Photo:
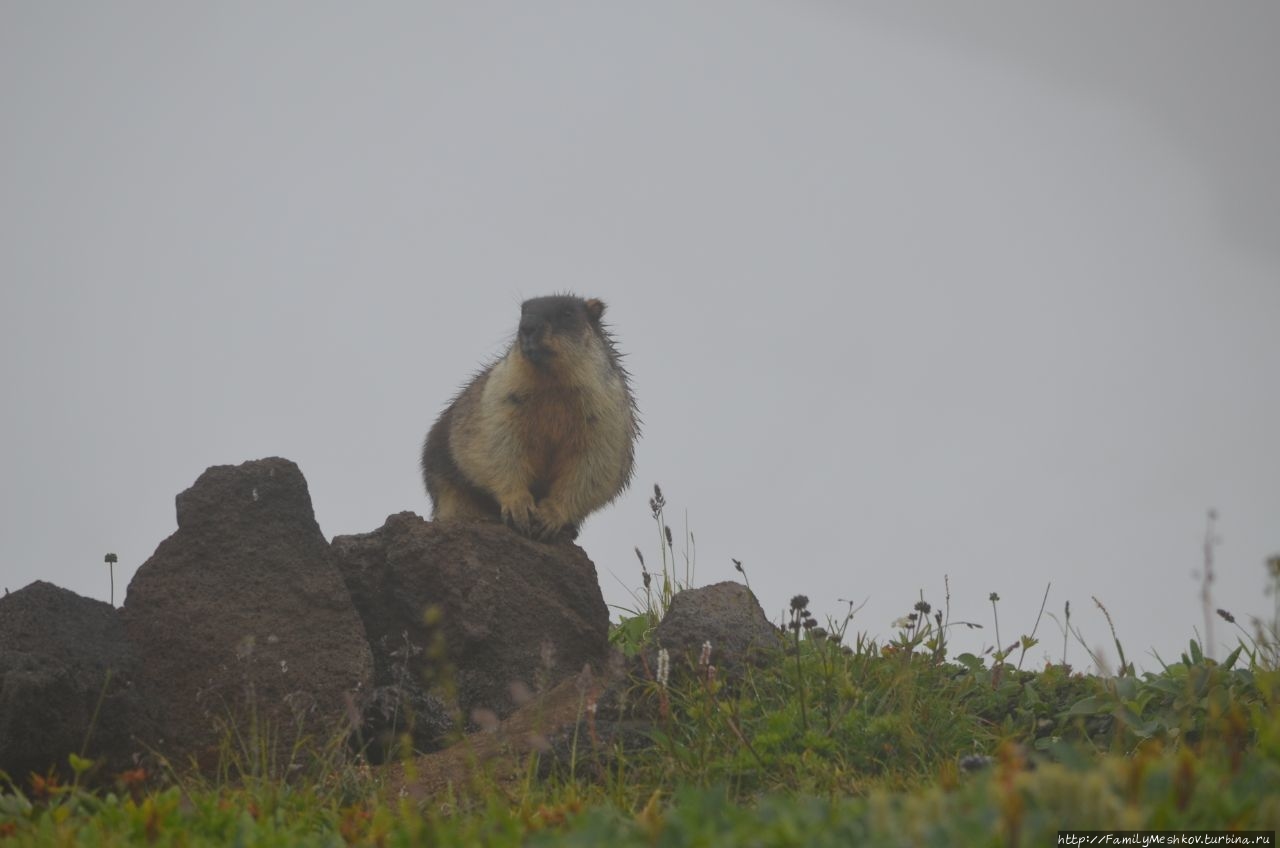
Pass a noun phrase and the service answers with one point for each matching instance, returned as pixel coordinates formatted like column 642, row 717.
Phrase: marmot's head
column 557, row 326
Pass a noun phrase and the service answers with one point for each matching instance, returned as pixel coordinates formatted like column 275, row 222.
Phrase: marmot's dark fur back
column 543, row 437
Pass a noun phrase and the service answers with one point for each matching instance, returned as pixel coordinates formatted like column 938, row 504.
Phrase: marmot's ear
column 595, row 308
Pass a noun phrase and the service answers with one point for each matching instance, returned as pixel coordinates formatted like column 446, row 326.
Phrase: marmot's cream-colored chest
column 545, row 435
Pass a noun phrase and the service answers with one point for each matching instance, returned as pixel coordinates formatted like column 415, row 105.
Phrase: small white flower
column 664, row 667
column 902, row 623
column 705, row 659
column 284, row 666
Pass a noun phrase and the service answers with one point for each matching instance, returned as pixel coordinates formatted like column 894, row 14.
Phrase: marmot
column 542, row 437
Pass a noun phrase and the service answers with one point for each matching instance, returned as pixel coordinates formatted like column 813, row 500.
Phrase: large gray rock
column 244, row 627
column 509, row 612
column 64, row 658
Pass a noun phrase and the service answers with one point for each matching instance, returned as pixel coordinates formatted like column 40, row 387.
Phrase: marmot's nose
column 530, row 333
column 529, row 328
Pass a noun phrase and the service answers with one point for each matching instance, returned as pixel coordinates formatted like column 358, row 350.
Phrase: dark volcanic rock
column 60, row 654
column 241, row 618
column 725, row 614
column 399, row 703
column 510, row 610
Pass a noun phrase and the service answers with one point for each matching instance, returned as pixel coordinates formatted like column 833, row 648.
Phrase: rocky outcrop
column 66, row 683
column 247, row 641
column 242, row 623
column 508, row 616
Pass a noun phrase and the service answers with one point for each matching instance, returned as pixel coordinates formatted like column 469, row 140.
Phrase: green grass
column 879, row 754
column 841, row 740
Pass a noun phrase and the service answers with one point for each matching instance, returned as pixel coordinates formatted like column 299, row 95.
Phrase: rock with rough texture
column 512, row 616
column 725, row 614
column 244, row 627
column 64, row 658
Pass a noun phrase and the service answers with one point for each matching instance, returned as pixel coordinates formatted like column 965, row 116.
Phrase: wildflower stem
column 110, row 560
column 996, row 614
column 799, row 610
column 1028, row 642
column 1206, row 582
column 1066, row 611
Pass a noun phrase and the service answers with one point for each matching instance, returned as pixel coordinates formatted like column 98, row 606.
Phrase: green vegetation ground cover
column 841, row 739
column 833, row 745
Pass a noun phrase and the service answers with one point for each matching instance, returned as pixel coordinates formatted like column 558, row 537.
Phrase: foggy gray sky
column 908, row 290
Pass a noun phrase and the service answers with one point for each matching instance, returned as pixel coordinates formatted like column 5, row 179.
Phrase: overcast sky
column 908, row 290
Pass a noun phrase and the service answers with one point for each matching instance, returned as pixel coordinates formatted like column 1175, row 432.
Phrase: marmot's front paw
column 520, row 512
column 551, row 524
column 564, row 533
column 545, row 532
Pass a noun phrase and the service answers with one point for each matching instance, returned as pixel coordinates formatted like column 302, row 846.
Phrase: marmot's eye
column 567, row 312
